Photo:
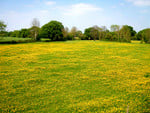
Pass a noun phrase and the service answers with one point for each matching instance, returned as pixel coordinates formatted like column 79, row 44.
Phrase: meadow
column 8, row 39
column 75, row 76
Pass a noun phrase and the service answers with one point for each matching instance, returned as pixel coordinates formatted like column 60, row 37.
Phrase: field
column 8, row 39
column 75, row 76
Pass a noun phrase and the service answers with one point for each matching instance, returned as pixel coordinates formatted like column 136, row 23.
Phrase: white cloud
column 140, row 2
column 80, row 9
column 50, row 3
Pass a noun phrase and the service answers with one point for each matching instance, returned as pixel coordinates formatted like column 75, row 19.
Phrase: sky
column 18, row 14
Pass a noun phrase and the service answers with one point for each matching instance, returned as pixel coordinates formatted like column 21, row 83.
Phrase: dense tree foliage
column 52, row 30
column 24, row 33
column 2, row 26
column 144, row 35
column 34, row 32
column 87, row 33
column 2, row 29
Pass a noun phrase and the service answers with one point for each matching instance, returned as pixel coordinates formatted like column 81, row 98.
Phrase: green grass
column 75, row 76
column 5, row 39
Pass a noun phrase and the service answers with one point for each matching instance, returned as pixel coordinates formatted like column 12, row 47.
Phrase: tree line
column 55, row 31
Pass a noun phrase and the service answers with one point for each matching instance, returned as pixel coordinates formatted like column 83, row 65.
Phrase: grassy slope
column 74, row 76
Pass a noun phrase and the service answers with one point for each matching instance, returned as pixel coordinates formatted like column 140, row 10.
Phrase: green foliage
column 24, row 33
column 14, row 40
column 3, row 33
column 115, row 28
column 52, row 30
column 34, row 32
column 79, row 34
column 87, row 33
column 125, row 33
column 144, row 35
column 73, row 32
column 2, row 26
column 15, row 33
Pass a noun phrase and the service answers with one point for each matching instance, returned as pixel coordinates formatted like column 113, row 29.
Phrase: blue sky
column 19, row 14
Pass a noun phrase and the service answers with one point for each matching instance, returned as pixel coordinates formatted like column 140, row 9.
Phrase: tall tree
column 103, row 31
column 73, row 32
column 116, row 29
column 87, row 33
column 2, row 28
column 95, row 32
column 35, row 28
column 126, row 33
column 144, row 35
column 66, row 32
column 52, row 30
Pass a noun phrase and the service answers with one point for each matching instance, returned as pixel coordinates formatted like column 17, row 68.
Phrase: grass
column 5, row 39
column 75, row 76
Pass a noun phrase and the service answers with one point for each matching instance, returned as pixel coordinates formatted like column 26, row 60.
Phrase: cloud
column 50, row 3
column 81, row 9
column 140, row 2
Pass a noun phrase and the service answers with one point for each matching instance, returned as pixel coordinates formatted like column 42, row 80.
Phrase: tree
column 147, row 36
column 144, row 35
column 52, row 30
column 95, row 32
column 92, row 33
column 87, row 33
column 103, row 31
column 34, row 30
column 2, row 28
column 126, row 33
column 24, row 33
column 73, row 32
column 116, row 29
column 79, row 34
column 15, row 33
column 66, row 33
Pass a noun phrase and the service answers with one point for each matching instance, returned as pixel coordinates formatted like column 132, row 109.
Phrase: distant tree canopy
column 24, row 33
column 95, row 33
column 87, row 33
column 118, row 33
column 144, row 35
column 2, row 28
column 55, row 31
column 52, row 30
